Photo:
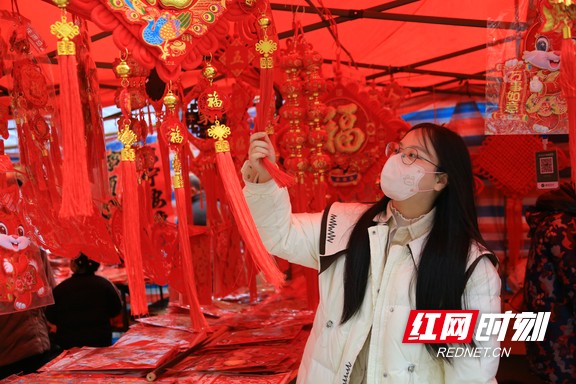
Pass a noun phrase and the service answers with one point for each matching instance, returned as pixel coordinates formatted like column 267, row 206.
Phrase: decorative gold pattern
column 65, row 31
column 176, row 164
column 175, row 135
column 213, row 100
column 179, row 4
column 565, row 2
column 222, row 146
column 561, row 15
column 127, row 154
column 170, row 99
column 60, row 3
column 177, row 180
column 122, row 69
column 209, row 72
column 220, row 132
column 266, row 48
column 128, row 138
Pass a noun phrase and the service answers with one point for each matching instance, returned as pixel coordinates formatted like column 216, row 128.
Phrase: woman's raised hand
column 260, row 148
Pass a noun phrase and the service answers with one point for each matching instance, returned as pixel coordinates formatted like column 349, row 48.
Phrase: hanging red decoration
column 76, row 194
column 237, row 57
column 233, row 190
column 131, row 242
column 567, row 76
column 293, row 112
column 23, row 283
column 508, row 162
column 212, row 103
column 266, row 47
column 174, row 133
column 135, row 83
column 527, row 98
column 163, row 36
column 314, row 88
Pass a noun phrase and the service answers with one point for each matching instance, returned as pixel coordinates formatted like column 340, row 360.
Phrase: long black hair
column 441, row 272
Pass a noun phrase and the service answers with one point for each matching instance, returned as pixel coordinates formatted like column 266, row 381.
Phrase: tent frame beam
column 411, row 67
column 337, row 20
column 354, row 14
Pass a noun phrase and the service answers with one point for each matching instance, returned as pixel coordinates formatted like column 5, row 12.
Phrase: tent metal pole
column 409, row 69
column 332, row 31
column 337, row 20
column 353, row 14
column 442, row 57
column 447, row 91
column 434, row 88
column 93, row 38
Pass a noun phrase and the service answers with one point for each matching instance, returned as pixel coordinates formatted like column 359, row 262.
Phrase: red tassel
column 198, row 320
column 243, row 218
column 76, row 192
column 567, row 80
column 131, row 243
column 5, row 166
column 251, row 276
column 282, row 179
column 266, row 92
column 320, row 192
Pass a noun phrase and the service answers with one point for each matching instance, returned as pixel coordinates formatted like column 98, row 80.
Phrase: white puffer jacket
column 332, row 348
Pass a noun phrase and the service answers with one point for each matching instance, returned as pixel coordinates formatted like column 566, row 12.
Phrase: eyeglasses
column 408, row 155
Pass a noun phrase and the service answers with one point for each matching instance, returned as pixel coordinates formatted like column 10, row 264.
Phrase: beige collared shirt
column 402, row 231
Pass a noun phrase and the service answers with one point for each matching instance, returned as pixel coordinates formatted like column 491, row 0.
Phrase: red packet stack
column 141, row 349
column 222, row 378
column 256, row 359
column 84, row 378
column 140, row 356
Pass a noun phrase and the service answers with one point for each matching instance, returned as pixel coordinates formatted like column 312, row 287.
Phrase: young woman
column 417, row 248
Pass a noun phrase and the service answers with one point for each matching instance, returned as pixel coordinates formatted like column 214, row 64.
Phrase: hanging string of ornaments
column 131, row 242
column 266, row 48
column 566, row 10
column 174, row 132
column 210, row 104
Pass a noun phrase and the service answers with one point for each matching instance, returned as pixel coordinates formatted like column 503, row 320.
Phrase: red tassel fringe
column 320, row 192
column 246, row 226
column 282, row 179
column 5, row 166
column 76, row 192
column 131, row 243
column 266, row 92
column 198, row 320
column 251, row 276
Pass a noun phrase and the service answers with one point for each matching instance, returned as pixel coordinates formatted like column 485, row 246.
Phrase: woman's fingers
column 258, row 136
column 260, row 143
column 260, row 148
column 258, row 153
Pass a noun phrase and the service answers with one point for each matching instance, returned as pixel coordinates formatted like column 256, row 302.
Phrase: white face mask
column 400, row 181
